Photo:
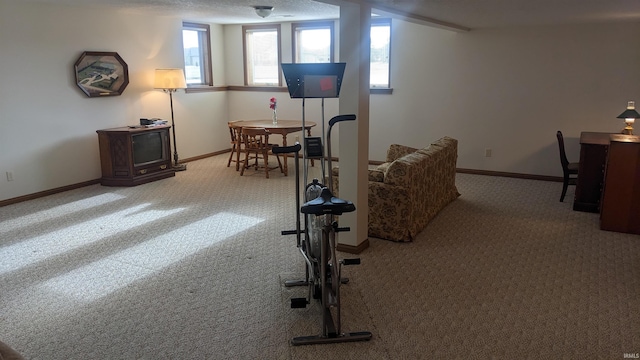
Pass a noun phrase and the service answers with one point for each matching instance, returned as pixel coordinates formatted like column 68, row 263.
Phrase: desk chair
column 569, row 169
column 256, row 146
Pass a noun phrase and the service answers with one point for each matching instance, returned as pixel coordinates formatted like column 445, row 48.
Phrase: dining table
column 282, row 127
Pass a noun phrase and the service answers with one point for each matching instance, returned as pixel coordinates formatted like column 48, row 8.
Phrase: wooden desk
column 620, row 208
column 593, row 157
column 283, row 127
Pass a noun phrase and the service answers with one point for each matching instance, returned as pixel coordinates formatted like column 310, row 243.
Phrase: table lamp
column 170, row 80
column 629, row 116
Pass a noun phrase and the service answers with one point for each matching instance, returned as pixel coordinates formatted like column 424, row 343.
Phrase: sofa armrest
column 390, row 212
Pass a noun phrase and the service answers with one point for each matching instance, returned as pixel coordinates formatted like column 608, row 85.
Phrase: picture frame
column 101, row 73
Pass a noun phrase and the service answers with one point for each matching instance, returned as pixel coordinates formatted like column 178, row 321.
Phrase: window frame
column 383, row 22
column 264, row 27
column 204, row 40
column 312, row 25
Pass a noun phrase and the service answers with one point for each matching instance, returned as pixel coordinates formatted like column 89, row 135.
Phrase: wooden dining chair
column 236, row 142
column 569, row 169
column 235, row 133
column 256, row 147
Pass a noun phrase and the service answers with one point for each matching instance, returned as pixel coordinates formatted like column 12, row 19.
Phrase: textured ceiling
column 502, row 13
column 463, row 13
column 216, row 11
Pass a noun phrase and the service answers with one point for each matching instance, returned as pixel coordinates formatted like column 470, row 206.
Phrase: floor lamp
column 169, row 81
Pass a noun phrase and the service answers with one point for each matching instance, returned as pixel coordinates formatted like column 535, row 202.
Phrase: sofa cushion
column 376, row 175
column 383, row 167
column 403, row 170
column 397, row 151
column 373, row 174
column 445, row 141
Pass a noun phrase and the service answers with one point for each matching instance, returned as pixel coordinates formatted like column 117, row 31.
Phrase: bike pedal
column 355, row 261
column 298, row 303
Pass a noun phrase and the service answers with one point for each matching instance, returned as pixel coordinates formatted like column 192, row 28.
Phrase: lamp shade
column 629, row 114
column 170, row 79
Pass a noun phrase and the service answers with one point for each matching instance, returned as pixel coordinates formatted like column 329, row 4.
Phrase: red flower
column 272, row 103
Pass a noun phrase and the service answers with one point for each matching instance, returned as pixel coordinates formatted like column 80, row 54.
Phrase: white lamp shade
column 170, row 79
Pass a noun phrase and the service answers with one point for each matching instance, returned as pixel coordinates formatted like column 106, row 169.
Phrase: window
column 262, row 55
column 380, row 51
column 196, row 41
column 312, row 42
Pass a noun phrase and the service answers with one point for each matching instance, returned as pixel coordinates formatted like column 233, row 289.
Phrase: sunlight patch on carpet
column 103, row 277
column 32, row 219
column 55, row 243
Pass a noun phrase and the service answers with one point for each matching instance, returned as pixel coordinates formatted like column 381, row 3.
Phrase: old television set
column 149, row 147
column 134, row 155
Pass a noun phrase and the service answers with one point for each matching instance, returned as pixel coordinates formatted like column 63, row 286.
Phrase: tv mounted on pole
column 313, row 81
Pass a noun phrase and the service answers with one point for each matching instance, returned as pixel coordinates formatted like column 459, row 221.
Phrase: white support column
column 355, row 21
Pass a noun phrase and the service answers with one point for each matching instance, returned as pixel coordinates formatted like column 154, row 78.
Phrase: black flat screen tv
column 314, row 80
column 148, row 147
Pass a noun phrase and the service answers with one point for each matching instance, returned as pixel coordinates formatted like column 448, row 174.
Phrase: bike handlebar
column 339, row 118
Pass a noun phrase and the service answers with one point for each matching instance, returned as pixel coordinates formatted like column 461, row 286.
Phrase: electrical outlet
column 9, row 176
column 487, row 152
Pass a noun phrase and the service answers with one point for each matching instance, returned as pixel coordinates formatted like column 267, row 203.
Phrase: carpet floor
column 193, row 267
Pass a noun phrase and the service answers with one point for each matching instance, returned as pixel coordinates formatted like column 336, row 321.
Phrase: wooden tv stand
column 117, row 156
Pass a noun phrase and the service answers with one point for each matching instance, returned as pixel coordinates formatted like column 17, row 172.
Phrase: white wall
column 505, row 89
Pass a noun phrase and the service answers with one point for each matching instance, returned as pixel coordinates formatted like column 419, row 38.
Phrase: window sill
column 381, row 91
column 257, row 88
column 204, row 88
column 201, row 89
column 377, row 91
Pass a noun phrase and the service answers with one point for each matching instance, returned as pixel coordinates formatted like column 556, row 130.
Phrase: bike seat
column 326, row 203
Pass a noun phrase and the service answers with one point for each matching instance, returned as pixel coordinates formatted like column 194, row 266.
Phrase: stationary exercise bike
column 317, row 244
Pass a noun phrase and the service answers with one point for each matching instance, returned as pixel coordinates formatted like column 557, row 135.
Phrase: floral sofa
column 410, row 188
